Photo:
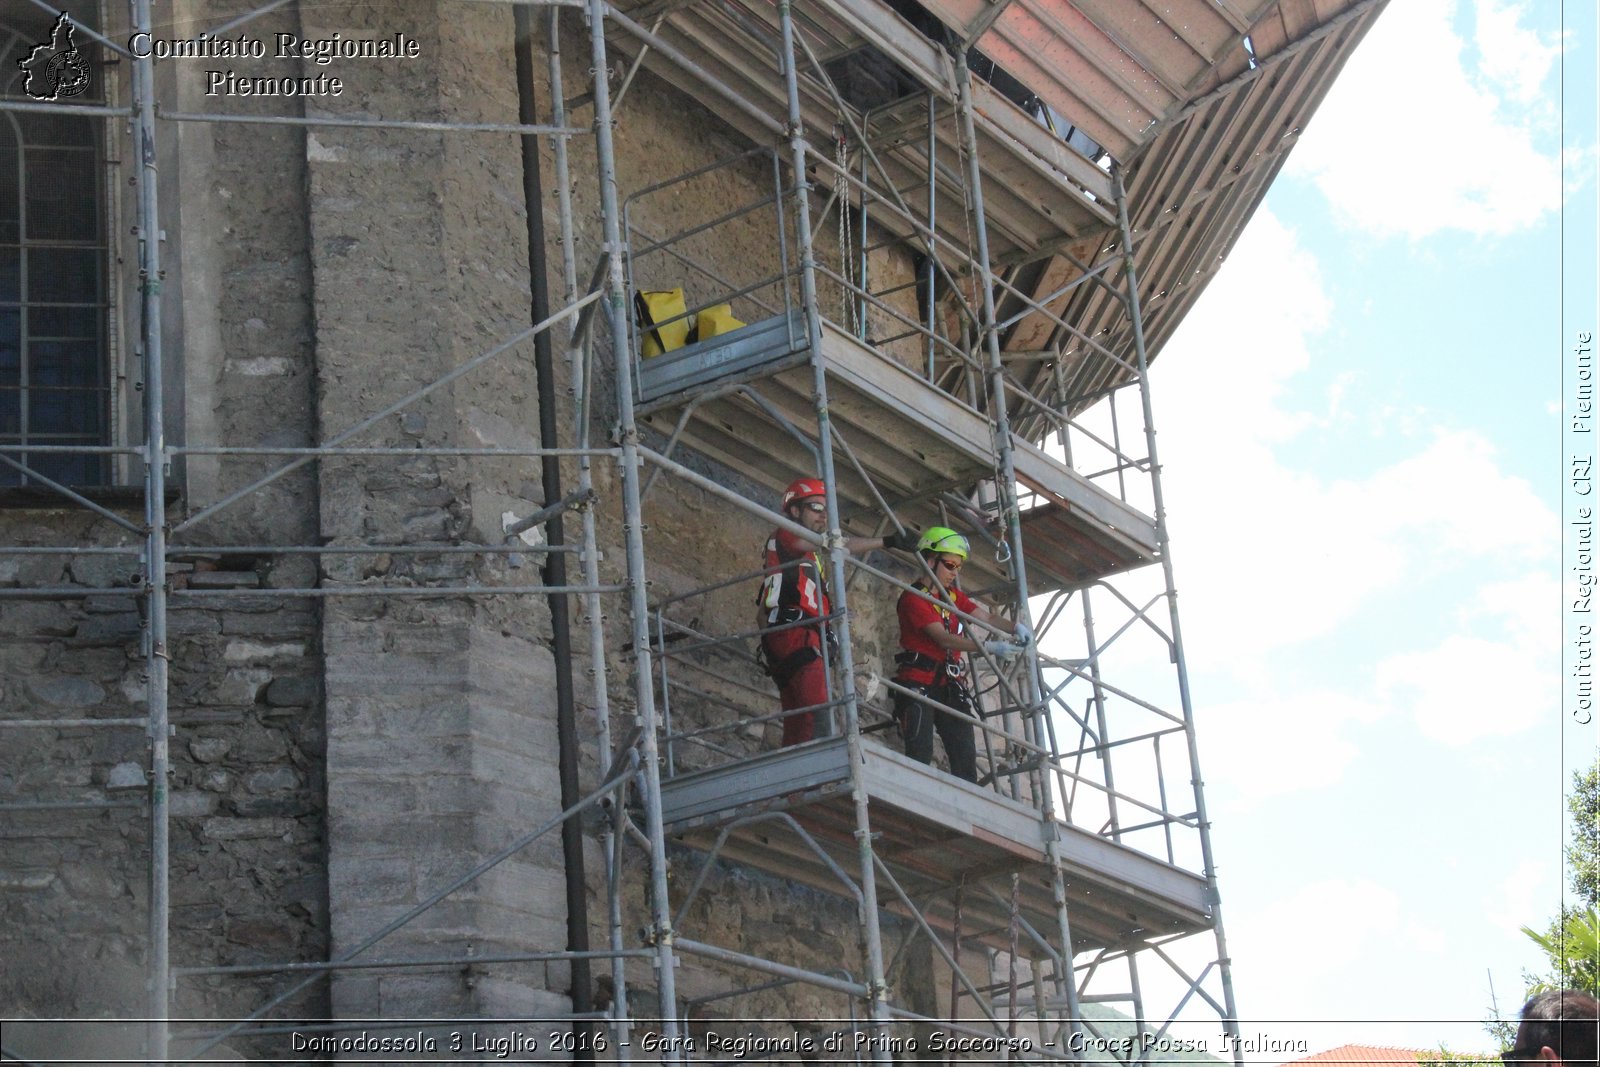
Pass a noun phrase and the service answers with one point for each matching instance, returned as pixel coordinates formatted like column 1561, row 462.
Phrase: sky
column 1361, row 431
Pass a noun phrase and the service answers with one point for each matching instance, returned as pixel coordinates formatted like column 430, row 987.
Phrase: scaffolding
column 953, row 323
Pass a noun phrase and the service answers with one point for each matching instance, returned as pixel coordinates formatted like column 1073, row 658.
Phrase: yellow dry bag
column 662, row 320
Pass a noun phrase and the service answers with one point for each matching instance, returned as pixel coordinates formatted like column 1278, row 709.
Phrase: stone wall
column 247, row 795
column 339, row 760
column 440, row 711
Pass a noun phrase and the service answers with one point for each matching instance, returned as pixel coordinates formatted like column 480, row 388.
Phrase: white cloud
column 1246, row 339
column 1496, row 680
column 1451, row 500
column 1412, row 141
column 1351, row 916
column 1258, row 748
column 1467, row 688
column 1429, row 940
column 1520, row 895
column 1524, row 606
column 1293, row 555
column 1515, row 58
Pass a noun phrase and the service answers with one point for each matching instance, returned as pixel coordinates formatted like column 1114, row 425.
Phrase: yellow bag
column 715, row 320
column 654, row 308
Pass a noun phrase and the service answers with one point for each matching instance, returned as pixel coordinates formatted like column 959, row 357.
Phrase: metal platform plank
column 934, row 833
column 915, row 441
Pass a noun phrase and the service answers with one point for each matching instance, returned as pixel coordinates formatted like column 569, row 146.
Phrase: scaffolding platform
column 1043, row 191
column 937, row 836
column 915, row 442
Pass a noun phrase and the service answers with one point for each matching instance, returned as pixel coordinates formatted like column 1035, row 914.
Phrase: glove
column 905, row 541
column 1023, row 633
column 1002, row 649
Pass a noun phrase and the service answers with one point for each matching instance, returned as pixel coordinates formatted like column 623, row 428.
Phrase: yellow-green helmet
column 943, row 541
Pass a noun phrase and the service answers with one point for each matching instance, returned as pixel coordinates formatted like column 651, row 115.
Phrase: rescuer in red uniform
column 932, row 662
column 796, row 589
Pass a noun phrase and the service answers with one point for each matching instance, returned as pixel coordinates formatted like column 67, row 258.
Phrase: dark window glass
column 53, row 296
column 70, row 415
column 10, row 347
column 10, row 275
column 61, row 322
column 63, row 275
column 64, row 363
column 10, row 197
column 56, row 129
column 61, row 195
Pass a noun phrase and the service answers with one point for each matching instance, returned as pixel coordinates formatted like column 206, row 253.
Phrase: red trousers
column 805, row 686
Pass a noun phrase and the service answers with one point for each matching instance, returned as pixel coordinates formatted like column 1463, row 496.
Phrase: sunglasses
column 953, row 568
column 816, row 507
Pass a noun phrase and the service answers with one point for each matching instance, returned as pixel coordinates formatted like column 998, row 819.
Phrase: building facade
column 378, row 597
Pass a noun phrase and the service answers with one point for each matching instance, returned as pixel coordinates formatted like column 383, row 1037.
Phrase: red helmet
column 800, row 490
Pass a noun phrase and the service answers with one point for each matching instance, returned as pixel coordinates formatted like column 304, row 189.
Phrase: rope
column 955, row 955
column 847, row 305
column 1011, row 954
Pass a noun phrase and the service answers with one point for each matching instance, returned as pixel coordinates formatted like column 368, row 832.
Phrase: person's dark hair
column 1565, row 1020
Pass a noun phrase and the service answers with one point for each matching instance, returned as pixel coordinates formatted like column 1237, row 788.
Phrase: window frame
column 36, row 158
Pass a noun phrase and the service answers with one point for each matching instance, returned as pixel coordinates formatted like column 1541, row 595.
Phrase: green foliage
column 1583, row 853
column 1573, row 949
column 1571, row 944
column 1445, row 1058
column 1503, row 1031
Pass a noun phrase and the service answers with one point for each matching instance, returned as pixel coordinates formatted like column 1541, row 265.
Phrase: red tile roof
column 1365, row 1054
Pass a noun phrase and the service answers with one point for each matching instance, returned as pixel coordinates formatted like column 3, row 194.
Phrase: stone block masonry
column 338, row 761
column 440, row 714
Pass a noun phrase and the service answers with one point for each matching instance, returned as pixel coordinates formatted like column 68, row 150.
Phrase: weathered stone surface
column 104, row 572
column 230, row 829
column 337, row 760
column 190, row 805
column 125, row 776
column 292, row 691
column 245, row 651
column 272, row 780
column 115, row 630
column 209, row 749
column 26, row 881
column 66, row 692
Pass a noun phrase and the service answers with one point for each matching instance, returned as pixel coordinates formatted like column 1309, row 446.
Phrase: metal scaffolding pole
column 148, row 228
column 877, row 984
column 1007, row 493
column 616, row 307
column 1230, row 1022
column 593, row 609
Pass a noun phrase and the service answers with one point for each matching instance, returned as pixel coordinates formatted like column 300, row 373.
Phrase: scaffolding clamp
column 657, row 935
column 529, row 530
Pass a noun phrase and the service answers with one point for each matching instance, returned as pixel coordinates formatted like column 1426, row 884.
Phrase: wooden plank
column 1036, row 330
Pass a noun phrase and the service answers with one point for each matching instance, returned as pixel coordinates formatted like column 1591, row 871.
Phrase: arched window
column 54, row 370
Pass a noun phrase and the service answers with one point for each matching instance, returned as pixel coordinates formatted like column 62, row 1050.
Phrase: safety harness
column 783, row 594
column 919, row 669
column 786, row 668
